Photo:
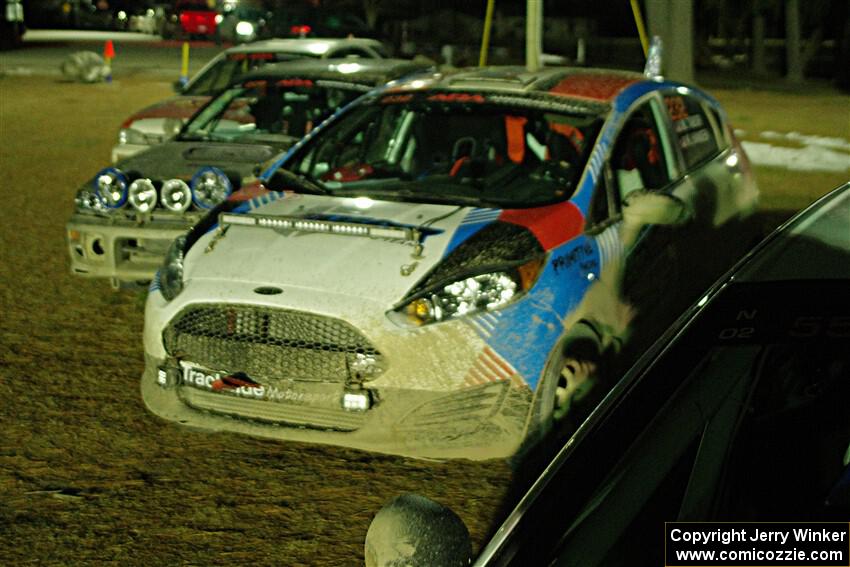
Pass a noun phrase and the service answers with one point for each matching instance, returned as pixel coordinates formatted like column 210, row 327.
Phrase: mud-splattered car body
column 161, row 121
column 419, row 299
column 123, row 233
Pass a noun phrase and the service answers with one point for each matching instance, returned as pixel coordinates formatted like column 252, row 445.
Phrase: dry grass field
column 88, row 476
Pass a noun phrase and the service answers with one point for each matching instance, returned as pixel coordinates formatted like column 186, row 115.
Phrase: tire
column 571, row 380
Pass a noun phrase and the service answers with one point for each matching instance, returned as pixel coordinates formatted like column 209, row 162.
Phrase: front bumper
column 122, row 249
column 434, row 397
column 477, row 423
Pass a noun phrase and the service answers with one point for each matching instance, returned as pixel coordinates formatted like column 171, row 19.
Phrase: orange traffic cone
column 108, row 55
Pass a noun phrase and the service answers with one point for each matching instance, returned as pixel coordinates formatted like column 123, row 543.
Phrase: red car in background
column 192, row 18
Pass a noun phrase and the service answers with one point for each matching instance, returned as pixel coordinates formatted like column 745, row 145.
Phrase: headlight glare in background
column 142, row 195
column 210, row 186
column 245, row 29
column 176, row 195
column 111, row 187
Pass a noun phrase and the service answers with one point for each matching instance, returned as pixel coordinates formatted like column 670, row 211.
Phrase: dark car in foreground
column 738, row 414
column 127, row 215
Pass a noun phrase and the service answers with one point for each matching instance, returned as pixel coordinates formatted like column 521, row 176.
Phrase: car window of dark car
column 798, row 427
column 694, row 134
column 647, row 486
column 638, row 160
column 608, row 443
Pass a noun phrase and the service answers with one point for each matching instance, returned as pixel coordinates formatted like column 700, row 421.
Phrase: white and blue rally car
column 451, row 265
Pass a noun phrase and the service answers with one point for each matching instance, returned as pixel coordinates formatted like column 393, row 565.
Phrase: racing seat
column 638, row 162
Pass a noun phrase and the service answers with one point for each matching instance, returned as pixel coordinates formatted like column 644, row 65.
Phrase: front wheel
column 570, row 381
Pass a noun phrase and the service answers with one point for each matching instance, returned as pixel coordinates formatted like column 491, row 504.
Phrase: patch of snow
column 808, row 158
column 808, row 140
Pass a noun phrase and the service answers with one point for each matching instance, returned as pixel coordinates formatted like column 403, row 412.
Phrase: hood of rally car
column 182, row 159
column 384, row 267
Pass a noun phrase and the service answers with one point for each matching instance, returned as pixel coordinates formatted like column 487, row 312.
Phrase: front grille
column 272, row 346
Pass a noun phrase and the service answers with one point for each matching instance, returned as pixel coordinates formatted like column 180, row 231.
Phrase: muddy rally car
column 127, row 215
column 443, row 268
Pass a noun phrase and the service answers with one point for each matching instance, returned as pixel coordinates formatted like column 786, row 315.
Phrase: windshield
column 452, row 148
column 230, row 68
column 266, row 108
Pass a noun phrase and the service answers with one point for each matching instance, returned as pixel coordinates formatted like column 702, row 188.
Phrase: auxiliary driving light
column 210, row 186
column 176, row 195
column 142, row 195
column 111, row 187
column 356, row 400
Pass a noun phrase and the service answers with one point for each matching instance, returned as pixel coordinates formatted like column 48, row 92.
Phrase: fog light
column 167, row 377
column 176, row 195
column 142, row 195
column 356, row 400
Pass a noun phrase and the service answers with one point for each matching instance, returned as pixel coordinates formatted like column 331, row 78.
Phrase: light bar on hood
column 322, row 226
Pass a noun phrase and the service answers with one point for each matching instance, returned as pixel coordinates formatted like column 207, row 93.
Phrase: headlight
column 131, row 136
column 111, row 186
column 171, row 272
column 176, row 195
column 244, row 29
column 142, row 195
column 470, row 295
column 210, row 186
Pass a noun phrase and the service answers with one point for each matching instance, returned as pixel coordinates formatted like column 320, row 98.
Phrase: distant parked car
column 443, row 268
column 161, row 121
column 192, row 19
column 127, row 215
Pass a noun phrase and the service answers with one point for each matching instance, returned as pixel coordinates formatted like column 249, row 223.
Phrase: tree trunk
column 371, row 9
column 759, row 66
column 673, row 21
column 794, row 70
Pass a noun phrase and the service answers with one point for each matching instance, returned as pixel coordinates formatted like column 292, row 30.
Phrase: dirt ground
column 87, row 475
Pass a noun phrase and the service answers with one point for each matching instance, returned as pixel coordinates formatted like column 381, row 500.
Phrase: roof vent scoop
column 652, row 70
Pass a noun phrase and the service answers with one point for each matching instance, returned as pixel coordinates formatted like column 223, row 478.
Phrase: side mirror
column 644, row 207
column 414, row 531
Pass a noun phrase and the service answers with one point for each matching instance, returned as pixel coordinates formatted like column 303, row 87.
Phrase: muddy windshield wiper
column 283, row 179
